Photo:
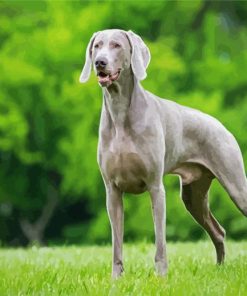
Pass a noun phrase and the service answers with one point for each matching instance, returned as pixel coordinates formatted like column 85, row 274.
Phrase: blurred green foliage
column 49, row 122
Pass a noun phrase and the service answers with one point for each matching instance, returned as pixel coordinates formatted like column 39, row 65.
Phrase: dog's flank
column 142, row 137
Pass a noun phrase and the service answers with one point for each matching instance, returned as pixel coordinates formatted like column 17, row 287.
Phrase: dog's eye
column 116, row 45
column 96, row 46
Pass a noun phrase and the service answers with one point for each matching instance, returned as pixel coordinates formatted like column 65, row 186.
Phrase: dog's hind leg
column 195, row 198
column 228, row 167
column 233, row 179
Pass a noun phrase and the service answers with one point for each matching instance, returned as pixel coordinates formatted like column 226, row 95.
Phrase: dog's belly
column 191, row 172
column 127, row 171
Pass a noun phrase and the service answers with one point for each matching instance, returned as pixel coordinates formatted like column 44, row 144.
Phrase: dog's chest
column 123, row 165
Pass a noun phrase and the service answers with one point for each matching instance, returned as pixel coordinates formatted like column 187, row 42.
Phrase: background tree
column 51, row 190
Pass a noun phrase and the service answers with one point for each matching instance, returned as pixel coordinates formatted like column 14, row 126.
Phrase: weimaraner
column 143, row 137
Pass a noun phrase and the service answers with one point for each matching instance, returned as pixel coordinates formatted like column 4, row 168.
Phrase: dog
column 143, row 137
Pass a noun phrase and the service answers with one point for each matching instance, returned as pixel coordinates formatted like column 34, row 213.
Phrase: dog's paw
column 117, row 271
column 161, row 268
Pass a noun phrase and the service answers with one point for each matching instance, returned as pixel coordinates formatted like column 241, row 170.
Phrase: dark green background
column 51, row 190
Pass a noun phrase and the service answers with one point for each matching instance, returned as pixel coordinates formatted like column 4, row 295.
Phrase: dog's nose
column 102, row 62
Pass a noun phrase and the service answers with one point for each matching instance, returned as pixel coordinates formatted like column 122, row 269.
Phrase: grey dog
column 143, row 137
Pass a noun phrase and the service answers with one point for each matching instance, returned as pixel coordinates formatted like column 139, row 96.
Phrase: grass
column 86, row 271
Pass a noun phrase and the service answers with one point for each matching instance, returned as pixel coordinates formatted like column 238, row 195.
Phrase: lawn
column 86, row 271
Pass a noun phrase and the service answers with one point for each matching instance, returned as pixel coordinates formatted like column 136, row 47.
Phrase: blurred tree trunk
column 199, row 17
column 34, row 232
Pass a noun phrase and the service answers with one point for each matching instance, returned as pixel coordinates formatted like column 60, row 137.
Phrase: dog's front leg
column 116, row 216
column 158, row 208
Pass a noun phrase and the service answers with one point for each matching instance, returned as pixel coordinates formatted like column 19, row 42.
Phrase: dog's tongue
column 104, row 79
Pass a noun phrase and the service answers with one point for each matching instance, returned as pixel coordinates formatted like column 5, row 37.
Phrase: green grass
column 86, row 271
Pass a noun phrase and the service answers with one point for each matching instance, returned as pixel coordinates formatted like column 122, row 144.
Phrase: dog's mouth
column 106, row 79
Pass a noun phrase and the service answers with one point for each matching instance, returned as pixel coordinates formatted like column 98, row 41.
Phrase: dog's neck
column 117, row 98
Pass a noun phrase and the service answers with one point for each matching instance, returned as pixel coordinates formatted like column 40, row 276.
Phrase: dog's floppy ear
column 140, row 56
column 86, row 71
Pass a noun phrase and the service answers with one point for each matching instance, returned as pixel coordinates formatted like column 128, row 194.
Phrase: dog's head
column 111, row 52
